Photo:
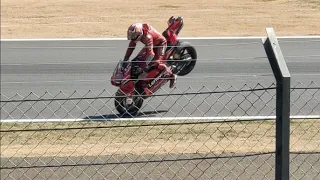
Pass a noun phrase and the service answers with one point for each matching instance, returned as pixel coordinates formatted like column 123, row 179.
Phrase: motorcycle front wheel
column 124, row 108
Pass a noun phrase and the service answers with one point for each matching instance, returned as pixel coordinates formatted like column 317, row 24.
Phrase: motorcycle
column 130, row 96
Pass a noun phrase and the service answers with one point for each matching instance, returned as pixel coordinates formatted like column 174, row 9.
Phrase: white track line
column 228, row 118
column 104, row 80
column 186, row 38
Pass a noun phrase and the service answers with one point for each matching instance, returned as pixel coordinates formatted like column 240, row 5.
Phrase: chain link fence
column 222, row 133
column 305, row 133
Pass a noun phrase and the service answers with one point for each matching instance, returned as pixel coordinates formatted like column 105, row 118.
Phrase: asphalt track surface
column 86, row 67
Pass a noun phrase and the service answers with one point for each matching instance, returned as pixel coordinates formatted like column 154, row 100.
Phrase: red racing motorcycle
column 180, row 56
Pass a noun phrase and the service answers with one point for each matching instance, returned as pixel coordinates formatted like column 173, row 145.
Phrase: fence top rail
column 279, row 59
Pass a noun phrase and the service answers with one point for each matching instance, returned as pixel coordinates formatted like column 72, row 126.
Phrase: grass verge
column 151, row 137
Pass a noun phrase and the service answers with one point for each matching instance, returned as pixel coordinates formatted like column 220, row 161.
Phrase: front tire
column 123, row 109
column 189, row 59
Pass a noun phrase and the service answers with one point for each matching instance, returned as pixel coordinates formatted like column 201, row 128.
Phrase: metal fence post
column 282, row 76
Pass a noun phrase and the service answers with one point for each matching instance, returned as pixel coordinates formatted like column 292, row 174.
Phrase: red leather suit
column 155, row 44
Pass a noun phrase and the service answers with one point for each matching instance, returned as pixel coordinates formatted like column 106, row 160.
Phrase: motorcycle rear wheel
column 188, row 62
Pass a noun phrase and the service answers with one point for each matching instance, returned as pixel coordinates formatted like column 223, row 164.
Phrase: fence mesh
column 220, row 133
column 305, row 135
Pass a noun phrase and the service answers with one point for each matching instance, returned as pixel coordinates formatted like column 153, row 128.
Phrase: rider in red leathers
column 153, row 52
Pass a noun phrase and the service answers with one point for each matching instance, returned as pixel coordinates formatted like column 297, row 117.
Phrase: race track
column 83, row 65
column 40, row 66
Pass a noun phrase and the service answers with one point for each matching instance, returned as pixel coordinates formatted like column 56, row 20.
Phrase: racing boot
column 173, row 77
column 173, row 80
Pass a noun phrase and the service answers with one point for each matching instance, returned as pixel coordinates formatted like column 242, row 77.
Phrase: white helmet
column 135, row 32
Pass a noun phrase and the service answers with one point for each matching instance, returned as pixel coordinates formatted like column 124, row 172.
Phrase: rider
column 155, row 46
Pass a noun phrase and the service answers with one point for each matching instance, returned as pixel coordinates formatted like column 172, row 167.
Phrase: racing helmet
column 135, row 32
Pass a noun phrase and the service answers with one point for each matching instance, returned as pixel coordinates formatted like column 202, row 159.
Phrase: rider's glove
column 124, row 65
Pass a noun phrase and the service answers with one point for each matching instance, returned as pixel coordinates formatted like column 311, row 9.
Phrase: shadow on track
column 112, row 117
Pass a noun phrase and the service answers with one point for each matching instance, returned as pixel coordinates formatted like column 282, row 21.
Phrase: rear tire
column 185, row 67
